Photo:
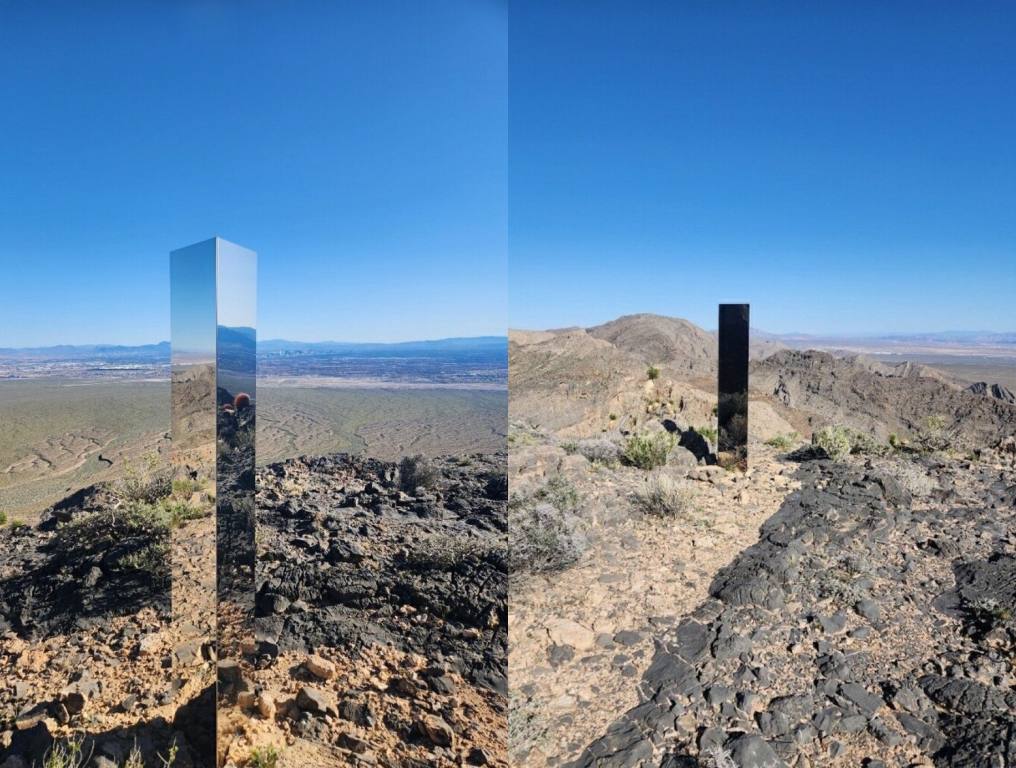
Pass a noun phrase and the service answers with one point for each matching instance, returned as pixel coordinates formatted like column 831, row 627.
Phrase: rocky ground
column 811, row 612
column 580, row 639
column 869, row 619
column 381, row 623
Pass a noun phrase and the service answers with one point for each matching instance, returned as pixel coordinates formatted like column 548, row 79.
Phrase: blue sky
column 359, row 148
column 845, row 167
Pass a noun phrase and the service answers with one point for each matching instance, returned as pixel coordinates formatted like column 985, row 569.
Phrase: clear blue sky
column 845, row 167
column 358, row 147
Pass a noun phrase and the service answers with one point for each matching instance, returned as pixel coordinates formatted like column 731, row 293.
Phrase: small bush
column 542, row 537
column 560, row 493
column 663, row 497
column 782, row 442
column 264, row 757
column 571, row 447
column 147, row 483
column 835, row 441
column 652, row 373
column 417, row 472
column 3, row 517
column 66, row 754
column 839, row 442
column 933, row 436
column 599, row 450
column 16, row 524
column 187, row 487
column 648, row 451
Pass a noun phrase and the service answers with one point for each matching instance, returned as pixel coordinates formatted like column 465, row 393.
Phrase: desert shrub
column 648, row 451
column 709, row 433
column 542, row 537
column 782, row 442
column 134, row 537
column 662, row 496
column 560, row 493
column 185, row 486
column 417, row 472
column 264, row 757
column 17, row 524
column 570, row 447
column 599, row 450
column 839, row 442
column 612, row 417
column 67, row 754
column 147, row 482
column 933, row 435
column 652, row 373
column 3, row 517
column 835, row 441
column 178, row 512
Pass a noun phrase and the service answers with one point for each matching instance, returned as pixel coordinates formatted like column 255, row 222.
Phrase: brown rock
column 320, row 668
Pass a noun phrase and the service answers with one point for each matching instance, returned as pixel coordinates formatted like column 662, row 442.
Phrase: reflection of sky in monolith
column 236, row 285
column 192, row 303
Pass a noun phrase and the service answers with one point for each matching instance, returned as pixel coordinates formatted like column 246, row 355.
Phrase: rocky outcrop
column 996, row 391
column 867, row 624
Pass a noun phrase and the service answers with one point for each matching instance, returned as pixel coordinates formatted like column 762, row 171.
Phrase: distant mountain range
column 108, row 352
column 161, row 352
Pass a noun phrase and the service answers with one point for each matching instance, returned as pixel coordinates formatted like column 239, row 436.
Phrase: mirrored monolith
column 732, row 390
column 213, row 305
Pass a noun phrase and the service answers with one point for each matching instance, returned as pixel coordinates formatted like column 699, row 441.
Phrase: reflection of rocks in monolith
column 732, row 394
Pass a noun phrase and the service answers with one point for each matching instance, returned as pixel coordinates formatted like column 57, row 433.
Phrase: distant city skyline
column 846, row 168
column 359, row 149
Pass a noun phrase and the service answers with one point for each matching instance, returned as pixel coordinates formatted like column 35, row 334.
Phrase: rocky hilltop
column 381, row 620
column 849, row 601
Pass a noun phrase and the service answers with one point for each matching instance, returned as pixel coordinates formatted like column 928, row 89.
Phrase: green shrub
column 648, row 451
column 782, row 442
column 185, row 486
column 835, row 441
column 652, row 373
column 16, row 524
column 264, row 757
column 839, row 442
column 145, row 483
column 3, row 517
column 66, row 754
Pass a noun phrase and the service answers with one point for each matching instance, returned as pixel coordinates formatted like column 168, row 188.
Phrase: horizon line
column 260, row 341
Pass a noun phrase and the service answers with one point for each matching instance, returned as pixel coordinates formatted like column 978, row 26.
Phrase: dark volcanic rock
column 381, row 556
column 778, row 663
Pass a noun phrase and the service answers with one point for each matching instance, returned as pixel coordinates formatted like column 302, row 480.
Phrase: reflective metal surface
column 732, row 394
column 213, row 293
